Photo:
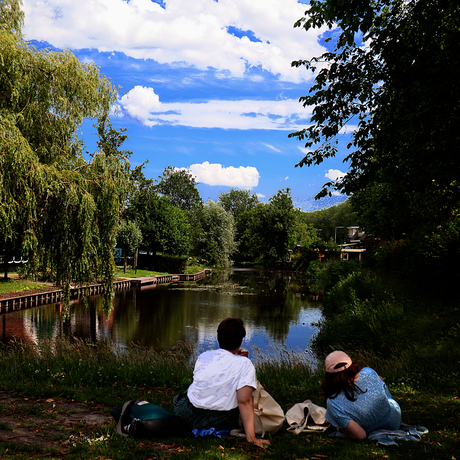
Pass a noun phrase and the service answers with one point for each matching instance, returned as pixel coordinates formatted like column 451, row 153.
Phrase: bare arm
column 246, row 407
column 354, row 431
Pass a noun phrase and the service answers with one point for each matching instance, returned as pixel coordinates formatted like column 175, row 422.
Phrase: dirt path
column 48, row 422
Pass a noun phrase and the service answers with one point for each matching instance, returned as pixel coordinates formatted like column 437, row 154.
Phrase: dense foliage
column 216, row 240
column 165, row 228
column 267, row 234
column 179, row 186
column 237, row 201
column 393, row 73
column 332, row 222
column 57, row 207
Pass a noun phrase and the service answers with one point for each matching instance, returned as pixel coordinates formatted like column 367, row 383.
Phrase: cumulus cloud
column 334, row 174
column 216, row 174
column 140, row 102
column 144, row 105
column 229, row 35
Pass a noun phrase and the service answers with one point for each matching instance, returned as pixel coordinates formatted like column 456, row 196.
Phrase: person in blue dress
column 358, row 401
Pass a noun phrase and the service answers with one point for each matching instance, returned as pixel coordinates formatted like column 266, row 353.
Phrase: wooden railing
column 55, row 296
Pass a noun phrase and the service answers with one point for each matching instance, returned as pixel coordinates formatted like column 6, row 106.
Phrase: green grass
column 102, row 375
column 21, row 285
column 193, row 266
column 131, row 273
column 6, row 426
column 16, row 285
column 410, row 335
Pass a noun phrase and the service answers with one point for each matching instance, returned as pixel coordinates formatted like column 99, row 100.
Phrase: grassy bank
column 17, row 285
column 409, row 333
column 105, row 378
column 14, row 283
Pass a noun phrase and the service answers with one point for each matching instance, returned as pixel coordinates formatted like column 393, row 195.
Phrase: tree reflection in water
column 274, row 305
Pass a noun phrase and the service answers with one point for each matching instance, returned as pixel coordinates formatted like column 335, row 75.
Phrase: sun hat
column 337, row 361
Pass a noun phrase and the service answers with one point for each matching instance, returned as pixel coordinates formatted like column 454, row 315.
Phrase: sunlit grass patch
column 131, row 273
column 16, row 285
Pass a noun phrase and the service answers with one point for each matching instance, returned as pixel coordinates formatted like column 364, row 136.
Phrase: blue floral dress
column 373, row 409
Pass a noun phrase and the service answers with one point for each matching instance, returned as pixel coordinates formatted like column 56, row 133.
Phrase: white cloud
column 334, row 174
column 216, row 174
column 191, row 32
column 140, row 102
column 286, row 178
column 144, row 105
column 271, row 147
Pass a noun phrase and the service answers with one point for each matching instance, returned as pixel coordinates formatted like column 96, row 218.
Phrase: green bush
column 163, row 263
column 427, row 259
column 352, row 289
column 335, row 271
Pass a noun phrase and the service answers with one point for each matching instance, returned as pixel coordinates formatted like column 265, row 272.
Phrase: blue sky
column 206, row 85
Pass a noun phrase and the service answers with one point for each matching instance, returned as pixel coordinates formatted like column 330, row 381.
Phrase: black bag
column 141, row 419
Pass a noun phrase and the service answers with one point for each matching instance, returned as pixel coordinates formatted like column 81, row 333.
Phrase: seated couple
column 358, row 401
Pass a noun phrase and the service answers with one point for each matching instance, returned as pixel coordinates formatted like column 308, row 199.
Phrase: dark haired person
column 358, row 401
column 223, row 382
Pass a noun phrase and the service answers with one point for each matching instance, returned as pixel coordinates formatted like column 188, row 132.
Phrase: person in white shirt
column 223, row 382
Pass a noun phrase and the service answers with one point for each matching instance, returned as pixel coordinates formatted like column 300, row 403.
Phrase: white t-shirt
column 217, row 376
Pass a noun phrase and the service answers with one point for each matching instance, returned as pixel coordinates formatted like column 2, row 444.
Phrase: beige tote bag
column 306, row 417
column 268, row 415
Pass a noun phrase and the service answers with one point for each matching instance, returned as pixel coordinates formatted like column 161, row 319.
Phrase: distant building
column 356, row 243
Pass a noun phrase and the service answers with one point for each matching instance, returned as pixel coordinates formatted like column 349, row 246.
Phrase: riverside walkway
column 54, row 296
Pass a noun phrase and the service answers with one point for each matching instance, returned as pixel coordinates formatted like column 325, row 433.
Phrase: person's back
column 217, row 377
column 357, row 400
column 371, row 409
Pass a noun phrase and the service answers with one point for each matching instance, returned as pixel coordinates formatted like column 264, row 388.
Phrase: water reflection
column 273, row 304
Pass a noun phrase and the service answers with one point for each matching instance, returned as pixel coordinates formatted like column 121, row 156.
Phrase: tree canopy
column 325, row 221
column 165, row 228
column 180, row 186
column 238, row 201
column 268, row 229
column 216, row 239
column 61, row 208
column 393, row 74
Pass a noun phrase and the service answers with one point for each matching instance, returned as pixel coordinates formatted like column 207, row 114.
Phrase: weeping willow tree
column 61, row 209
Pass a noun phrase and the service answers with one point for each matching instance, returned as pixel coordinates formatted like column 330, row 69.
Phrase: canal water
column 275, row 306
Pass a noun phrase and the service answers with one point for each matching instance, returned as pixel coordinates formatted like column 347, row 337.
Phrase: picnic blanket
column 204, row 433
column 390, row 437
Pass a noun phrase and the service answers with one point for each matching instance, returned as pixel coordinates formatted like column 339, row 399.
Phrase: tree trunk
column 5, row 264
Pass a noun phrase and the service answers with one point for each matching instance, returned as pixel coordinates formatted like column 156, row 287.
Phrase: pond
column 275, row 306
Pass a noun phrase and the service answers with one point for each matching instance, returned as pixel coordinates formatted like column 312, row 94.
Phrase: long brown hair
column 334, row 383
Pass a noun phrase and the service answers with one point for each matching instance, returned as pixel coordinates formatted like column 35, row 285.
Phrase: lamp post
column 335, row 234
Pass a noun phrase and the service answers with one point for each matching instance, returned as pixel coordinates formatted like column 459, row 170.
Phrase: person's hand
column 243, row 352
column 262, row 443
